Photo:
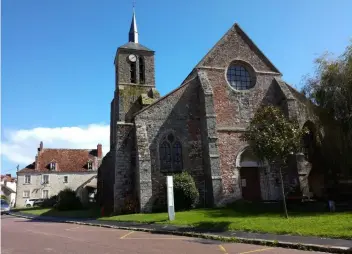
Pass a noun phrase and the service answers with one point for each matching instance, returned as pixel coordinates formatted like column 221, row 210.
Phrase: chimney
column 99, row 151
column 40, row 148
column 36, row 163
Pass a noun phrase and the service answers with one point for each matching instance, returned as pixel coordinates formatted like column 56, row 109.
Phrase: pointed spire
column 133, row 34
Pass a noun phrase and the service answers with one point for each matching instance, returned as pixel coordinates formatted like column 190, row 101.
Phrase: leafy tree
column 273, row 137
column 330, row 90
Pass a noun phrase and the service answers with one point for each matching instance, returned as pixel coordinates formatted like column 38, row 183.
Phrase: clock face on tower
column 132, row 58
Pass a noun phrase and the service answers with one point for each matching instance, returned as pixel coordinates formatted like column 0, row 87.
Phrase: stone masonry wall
column 123, row 67
column 106, row 182
column 128, row 95
column 177, row 113
column 124, row 171
column 236, row 45
column 229, row 146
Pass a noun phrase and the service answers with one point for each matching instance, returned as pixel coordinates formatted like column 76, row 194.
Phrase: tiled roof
column 67, row 160
column 8, row 178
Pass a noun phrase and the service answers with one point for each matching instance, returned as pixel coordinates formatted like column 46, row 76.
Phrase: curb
column 290, row 245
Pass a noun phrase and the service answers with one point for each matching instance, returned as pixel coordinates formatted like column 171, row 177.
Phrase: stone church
column 194, row 128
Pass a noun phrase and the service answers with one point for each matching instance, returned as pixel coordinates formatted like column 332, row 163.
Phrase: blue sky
column 57, row 56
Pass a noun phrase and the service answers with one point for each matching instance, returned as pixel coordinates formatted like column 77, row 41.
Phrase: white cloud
column 20, row 146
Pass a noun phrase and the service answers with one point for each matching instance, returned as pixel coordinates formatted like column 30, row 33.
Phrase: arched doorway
column 249, row 168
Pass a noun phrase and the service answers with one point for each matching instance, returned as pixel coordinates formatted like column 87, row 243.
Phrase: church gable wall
column 177, row 113
column 234, row 110
column 236, row 45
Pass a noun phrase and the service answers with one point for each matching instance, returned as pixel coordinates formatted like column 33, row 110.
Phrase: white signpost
column 170, row 197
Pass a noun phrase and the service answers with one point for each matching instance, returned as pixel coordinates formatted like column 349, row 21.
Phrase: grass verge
column 251, row 218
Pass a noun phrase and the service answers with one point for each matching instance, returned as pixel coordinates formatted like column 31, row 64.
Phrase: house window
column 239, row 78
column 45, row 179
column 27, row 179
column 65, row 179
column 170, row 152
column 52, row 165
column 90, row 165
column 141, row 71
column 26, row 194
column 45, row 194
column 133, row 72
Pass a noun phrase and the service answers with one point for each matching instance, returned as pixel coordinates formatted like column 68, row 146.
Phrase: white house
column 8, row 188
column 56, row 169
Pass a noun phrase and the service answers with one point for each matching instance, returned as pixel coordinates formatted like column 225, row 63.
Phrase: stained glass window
column 170, row 152
column 165, row 155
column 177, row 156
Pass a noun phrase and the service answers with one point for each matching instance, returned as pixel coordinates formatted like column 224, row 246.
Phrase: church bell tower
column 134, row 80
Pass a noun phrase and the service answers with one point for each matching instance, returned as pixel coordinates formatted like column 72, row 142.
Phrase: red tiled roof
column 8, row 178
column 67, row 160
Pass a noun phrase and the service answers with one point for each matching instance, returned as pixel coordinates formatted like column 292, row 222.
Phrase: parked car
column 5, row 207
column 33, row 202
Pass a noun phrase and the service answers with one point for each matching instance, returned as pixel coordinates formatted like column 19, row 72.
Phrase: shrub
column 67, row 200
column 4, row 198
column 50, row 202
column 185, row 191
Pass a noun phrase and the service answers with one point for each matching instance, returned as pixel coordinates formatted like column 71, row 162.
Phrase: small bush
column 185, row 191
column 67, row 200
column 4, row 198
column 50, row 202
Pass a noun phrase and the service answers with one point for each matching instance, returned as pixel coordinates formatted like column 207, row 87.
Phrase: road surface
column 36, row 237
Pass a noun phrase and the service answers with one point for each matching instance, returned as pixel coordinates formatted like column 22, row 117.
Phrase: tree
column 330, row 91
column 273, row 137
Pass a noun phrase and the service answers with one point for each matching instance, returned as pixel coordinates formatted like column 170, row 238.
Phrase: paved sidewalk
column 289, row 241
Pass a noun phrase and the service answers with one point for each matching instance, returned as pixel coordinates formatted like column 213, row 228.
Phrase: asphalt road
column 27, row 236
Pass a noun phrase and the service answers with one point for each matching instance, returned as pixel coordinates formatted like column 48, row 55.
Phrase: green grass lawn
column 245, row 218
column 255, row 218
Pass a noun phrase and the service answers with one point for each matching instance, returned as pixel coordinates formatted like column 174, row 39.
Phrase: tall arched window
column 308, row 140
column 177, row 156
column 133, row 72
column 165, row 156
column 141, row 71
column 170, row 152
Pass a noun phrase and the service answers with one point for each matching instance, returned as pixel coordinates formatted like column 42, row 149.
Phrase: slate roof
column 135, row 46
column 67, row 160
